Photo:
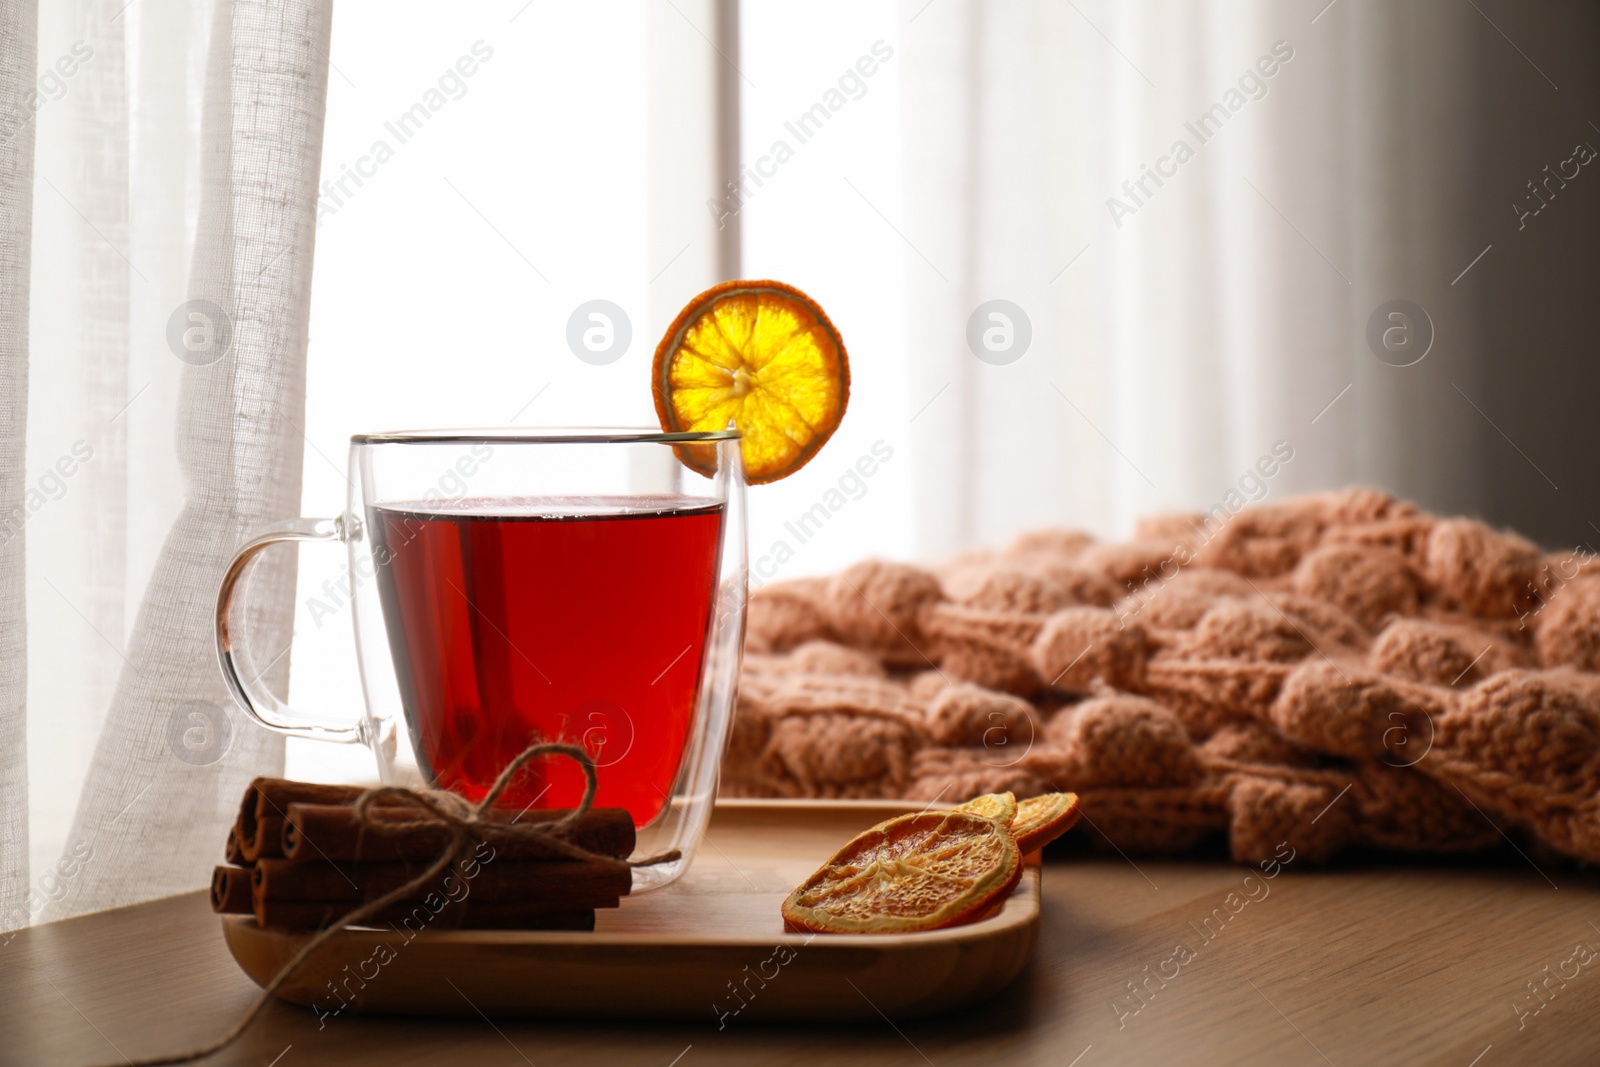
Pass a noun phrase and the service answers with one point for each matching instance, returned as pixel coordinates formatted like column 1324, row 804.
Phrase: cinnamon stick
column 233, row 852
column 266, row 839
column 272, row 796
column 335, row 833
column 571, row 885
column 416, row 916
column 231, row 891
column 265, row 797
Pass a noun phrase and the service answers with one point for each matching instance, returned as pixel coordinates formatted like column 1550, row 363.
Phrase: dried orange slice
column 760, row 355
column 1001, row 807
column 916, row 872
column 1040, row 820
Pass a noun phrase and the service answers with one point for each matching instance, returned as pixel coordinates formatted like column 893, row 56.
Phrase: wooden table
column 1362, row 964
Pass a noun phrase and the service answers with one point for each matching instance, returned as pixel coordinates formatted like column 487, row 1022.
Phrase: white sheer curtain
column 17, row 21
column 154, row 385
column 1177, row 338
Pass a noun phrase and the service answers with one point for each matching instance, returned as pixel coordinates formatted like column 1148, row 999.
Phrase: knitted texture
column 1340, row 669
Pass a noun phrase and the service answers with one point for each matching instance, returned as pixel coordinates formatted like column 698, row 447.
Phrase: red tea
column 575, row 619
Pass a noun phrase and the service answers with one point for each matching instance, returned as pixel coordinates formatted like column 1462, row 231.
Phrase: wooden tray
column 709, row 946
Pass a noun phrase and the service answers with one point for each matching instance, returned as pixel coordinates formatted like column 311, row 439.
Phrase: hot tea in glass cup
column 520, row 586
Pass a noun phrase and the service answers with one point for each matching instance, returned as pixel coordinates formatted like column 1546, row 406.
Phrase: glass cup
column 518, row 586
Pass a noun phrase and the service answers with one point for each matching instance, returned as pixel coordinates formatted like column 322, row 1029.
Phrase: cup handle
column 264, row 707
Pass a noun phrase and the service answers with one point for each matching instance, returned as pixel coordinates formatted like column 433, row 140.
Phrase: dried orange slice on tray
column 1034, row 822
column 917, row 872
column 1042, row 819
column 1001, row 807
column 762, row 356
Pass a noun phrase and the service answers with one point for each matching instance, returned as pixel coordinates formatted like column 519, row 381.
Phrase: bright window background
column 816, row 224
column 444, row 280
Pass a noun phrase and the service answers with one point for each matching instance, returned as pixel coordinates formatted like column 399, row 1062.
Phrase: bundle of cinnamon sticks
column 301, row 857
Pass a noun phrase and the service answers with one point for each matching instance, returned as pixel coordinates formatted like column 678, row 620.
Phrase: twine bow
column 465, row 820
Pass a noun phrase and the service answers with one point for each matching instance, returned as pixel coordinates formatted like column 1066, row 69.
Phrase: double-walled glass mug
column 519, row 586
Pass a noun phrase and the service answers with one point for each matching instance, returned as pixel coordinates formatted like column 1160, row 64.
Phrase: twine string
column 466, row 822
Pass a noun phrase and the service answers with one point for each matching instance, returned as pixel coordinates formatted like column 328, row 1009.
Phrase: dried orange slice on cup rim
column 762, row 356
column 917, row 872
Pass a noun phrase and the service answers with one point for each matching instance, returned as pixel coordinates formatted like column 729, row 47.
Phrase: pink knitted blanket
column 1338, row 669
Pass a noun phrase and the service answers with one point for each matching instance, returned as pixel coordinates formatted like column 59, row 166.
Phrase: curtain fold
column 17, row 44
column 171, row 259
column 1183, row 324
